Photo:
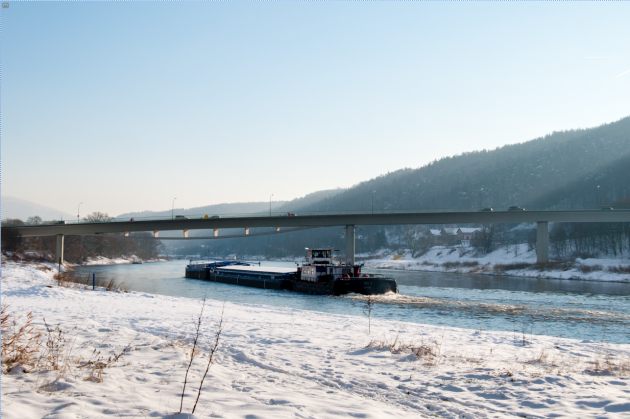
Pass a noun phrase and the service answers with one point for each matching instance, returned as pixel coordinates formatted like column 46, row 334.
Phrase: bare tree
column 484, row 242
column 97, row 217
column 34, row 220
column 413, row 238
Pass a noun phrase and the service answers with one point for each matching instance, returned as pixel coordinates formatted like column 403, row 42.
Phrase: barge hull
column 246, row 282
column 365, row 286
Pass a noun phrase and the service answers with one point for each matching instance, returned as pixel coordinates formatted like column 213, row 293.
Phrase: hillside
column 574, row 169
column 561, row 170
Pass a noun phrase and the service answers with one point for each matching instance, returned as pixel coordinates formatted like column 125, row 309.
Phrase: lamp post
column 480, row 197
column 373, row 192
column 597, row 197
column 173, row 209
column 79, row 206
column 270, row 205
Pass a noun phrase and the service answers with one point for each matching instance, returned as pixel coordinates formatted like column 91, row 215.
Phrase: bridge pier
column 350, row 244
column 542, row 242
column 59, row 253
column 216, row 232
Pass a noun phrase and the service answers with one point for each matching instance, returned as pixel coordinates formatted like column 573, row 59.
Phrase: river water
column 597, row 311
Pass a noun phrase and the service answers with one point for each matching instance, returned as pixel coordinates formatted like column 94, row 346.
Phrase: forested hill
column 560, row 170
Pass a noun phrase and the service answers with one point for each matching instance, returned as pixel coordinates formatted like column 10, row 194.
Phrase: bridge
column 315, row 220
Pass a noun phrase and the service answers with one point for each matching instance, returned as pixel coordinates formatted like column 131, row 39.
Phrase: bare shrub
column 96, row 364
column 213, row 351
column 57, row 351
column 196, row 352
column 193, row 352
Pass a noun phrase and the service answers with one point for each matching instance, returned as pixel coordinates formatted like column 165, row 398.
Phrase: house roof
column 451, row 231
column 435, row 232
column 469, row 229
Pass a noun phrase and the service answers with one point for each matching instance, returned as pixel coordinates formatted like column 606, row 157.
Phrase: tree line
column 77, row 249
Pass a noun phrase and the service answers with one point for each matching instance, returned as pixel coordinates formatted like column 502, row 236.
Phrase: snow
column 289, row 363
column 267, row 269
column 101, row 260
column 436, row 258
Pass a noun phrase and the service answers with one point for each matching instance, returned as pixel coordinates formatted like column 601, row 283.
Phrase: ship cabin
column 320, row 267
column 319, row 256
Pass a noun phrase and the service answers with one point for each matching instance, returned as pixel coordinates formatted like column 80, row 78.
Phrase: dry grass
column 467, row 264
column 589, row 268
column 428, row 353
column 621, row 269
column 503, row 267
column 20, row 340
column 70, row 280
column 78, row 280
column 52, row 352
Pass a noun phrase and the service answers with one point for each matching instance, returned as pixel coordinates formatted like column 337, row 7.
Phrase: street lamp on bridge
column 270, row 205
column 373, row 192
column 79, row 206
column 173, row 209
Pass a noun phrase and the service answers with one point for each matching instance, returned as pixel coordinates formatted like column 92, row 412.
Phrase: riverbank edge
column 103, row 261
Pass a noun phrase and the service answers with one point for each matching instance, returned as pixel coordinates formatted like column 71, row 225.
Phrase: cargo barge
column 320, row 275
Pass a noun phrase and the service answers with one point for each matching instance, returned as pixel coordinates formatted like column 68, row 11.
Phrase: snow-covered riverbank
column 518, row 260
column 101, row 260
column 280, row 362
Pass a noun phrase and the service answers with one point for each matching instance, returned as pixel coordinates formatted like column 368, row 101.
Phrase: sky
column 124, row 106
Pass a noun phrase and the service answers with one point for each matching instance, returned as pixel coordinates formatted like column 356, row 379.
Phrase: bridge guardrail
column 309, row 213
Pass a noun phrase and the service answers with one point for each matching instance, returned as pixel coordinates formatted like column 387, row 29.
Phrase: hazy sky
column 125, row 106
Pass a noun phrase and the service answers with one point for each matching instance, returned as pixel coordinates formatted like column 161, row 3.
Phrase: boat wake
column 536, row 313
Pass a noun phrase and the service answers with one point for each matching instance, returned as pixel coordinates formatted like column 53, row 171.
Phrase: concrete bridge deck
column 350, row 220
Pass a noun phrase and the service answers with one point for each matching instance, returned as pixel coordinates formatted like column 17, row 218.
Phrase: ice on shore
column 277, row 362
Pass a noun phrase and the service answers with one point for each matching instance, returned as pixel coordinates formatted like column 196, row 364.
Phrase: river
column 597, row 311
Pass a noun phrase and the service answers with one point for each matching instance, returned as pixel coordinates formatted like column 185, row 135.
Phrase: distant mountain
column 242, row 207
column 217, row 209
column 22, row 209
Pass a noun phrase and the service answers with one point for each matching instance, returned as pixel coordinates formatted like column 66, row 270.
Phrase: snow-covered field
column 287, row 363
column 436, row 258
